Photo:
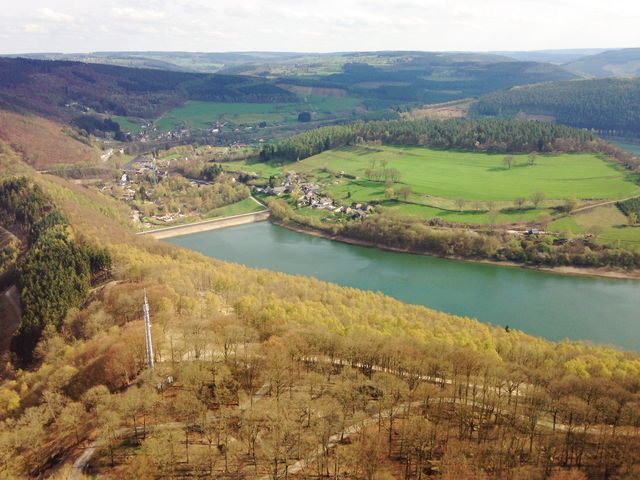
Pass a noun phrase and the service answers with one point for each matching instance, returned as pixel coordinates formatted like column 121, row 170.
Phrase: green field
column 262, row 169
column 439, row 178
column 201, row 115
column 248, row 205
column 478, row 176
column 608, row 223
column 128, row 124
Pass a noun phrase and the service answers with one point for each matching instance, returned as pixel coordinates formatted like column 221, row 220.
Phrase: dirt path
column 10, row 315
column 81, row 463
column 601, row 204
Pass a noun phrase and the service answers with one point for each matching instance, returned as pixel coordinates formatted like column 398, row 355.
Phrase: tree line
column 389, row 229
column 483, row 135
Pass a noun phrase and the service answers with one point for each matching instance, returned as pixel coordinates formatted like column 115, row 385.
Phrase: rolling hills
column 611, row 63
column 64, row 90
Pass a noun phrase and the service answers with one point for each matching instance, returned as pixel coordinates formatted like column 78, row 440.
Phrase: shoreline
column 563, row 270
column 206, row 225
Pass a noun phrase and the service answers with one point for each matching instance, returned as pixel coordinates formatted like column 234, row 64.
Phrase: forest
column 611, row 106
column 273, row 376
column 56, row 270
column 485, row 135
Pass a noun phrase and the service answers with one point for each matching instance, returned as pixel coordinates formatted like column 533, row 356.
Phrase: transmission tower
column 147, row 331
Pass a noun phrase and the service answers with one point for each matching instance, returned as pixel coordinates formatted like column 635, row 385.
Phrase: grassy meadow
column 608, row 223
column 129, row 124
column 468, row 187
column 201, row 114
column 478, row 176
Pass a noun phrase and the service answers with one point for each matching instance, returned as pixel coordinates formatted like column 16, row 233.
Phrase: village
column 308, row 194
column 135, row 188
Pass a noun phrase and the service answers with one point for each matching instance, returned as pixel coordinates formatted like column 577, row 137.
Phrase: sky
column 75, row 26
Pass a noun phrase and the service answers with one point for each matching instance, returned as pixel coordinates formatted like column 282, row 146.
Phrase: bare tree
column 537, row 198
column 508, row 161
column 405, row 191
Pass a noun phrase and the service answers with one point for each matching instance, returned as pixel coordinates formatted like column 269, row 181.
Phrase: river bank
column 562, row 270
column 206, row 225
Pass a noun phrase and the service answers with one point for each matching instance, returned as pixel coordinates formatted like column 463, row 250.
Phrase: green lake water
column 543, row 304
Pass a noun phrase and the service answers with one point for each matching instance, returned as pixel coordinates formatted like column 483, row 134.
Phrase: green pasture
column 470, row 215
column 128, row 124
column 248, row 205
column 608, row 223
column 262, row 169
column 475, row 176
column 200, row 114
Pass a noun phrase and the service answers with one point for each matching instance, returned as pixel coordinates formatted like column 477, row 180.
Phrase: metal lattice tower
column 147, row 331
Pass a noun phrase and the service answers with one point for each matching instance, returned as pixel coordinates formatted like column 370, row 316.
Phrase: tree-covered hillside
column 63, row 90
column 608, row 105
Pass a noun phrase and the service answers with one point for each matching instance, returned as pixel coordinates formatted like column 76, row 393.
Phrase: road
column 11, row 318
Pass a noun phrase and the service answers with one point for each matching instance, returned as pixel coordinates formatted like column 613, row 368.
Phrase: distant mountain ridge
column 611, row 63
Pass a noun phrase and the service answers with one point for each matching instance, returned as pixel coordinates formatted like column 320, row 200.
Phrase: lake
column 539, row 303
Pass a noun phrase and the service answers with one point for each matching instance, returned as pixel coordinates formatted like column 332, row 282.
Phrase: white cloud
column 138, row 14
column 33, row 28
column 55, row 16
column 306, row 25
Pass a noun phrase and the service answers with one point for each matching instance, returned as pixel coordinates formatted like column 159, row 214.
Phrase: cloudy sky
column 318, row 25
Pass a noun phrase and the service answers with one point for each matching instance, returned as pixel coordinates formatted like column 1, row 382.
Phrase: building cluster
column 130, row 182
column 310, row 196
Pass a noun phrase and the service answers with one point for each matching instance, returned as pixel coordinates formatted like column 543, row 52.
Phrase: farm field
column 201, row 114
column 128, row 124
column 468, row 215
column 468, row 187
column 479, row 176
column 248, row 205
column 607, row 222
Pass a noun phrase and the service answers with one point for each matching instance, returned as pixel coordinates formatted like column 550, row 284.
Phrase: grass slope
column 201, row 114
column 477, row 176
column 607, row 222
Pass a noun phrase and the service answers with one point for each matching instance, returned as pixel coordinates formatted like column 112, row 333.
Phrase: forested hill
column 611, row 63
column 63, row 90
column 609, row 105
column 517, row 405
column 491, row 135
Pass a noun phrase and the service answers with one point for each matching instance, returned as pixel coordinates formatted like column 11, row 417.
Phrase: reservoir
column 548, row 305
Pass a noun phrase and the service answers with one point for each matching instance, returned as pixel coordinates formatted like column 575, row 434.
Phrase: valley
column 370, row 265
